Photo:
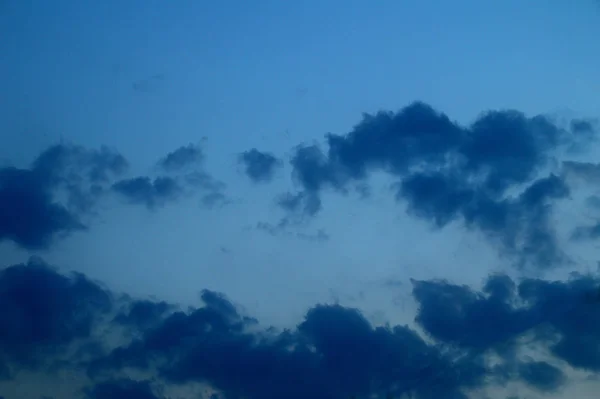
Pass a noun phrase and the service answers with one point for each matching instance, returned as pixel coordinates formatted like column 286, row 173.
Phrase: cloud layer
column 501, row 176
column 59, row 193
column 53, row 323
column 497, row 176
column 493, row 175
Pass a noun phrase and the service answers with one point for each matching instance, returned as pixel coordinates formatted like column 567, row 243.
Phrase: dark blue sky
column 272, row 200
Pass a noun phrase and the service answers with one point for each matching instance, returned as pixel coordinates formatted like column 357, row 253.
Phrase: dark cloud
column 43, row 312
column 160, row 191
column 214, row 344
column 299, row 205
column 259, row 166
column 586, row 232
column 185, row 177
column 587, row 172
column 181, row 158
column 204, row 181
column 187, row 163
column 507, row 148
column 488, row 176
column 121, row 389
column 46, row 311
column 58, row 193
column 585, row 131
column 28, row 214
column 64, row 163
column 31, row 214
column 520, row 225
column 213, row 190
column 542, row 375
column 313, row 171
column 563, row 316
column 82, row 174
column 143, row 314
column 149, row 192
column 475, row 321
column 583, row 126
column 449, row 172
column 334, row 352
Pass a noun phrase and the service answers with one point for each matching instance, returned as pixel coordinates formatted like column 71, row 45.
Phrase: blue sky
column 350, row 197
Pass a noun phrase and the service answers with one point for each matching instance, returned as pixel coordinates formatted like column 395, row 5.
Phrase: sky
column 261, row 200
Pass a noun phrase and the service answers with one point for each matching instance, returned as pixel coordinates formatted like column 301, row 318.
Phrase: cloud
column 142, row 313
column 65, row 163
column 259, row 166
column 216, row 344
column 520, row 225
column 182, row 158
column 121, row 389
column 586, row 232
column 299, row 205
column 31, row 212
column 580, row 126
column 43, row 312
column 491, row 176
column 162, row 190
column 28, row 215
column 562, row 317
column 51, row 322
column 149, row 192
column 186, row 176
column 542, row 375
column 213, row 191
column 585, row 171
column 59, row 193
column 447, row 172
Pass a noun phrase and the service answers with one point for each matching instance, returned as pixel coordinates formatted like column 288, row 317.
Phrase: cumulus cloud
column 52, row 322
column 259, row 166
column 218, row 345
column 520, row 225
column 299, row 205
column 149, row 192
column 204, row 181
column 182, row 158
column 43, row 313
column 491, row 175
column 562, row 317
column 185, row 176
column 28, row 215
column 49, row 198
column 59, row 192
